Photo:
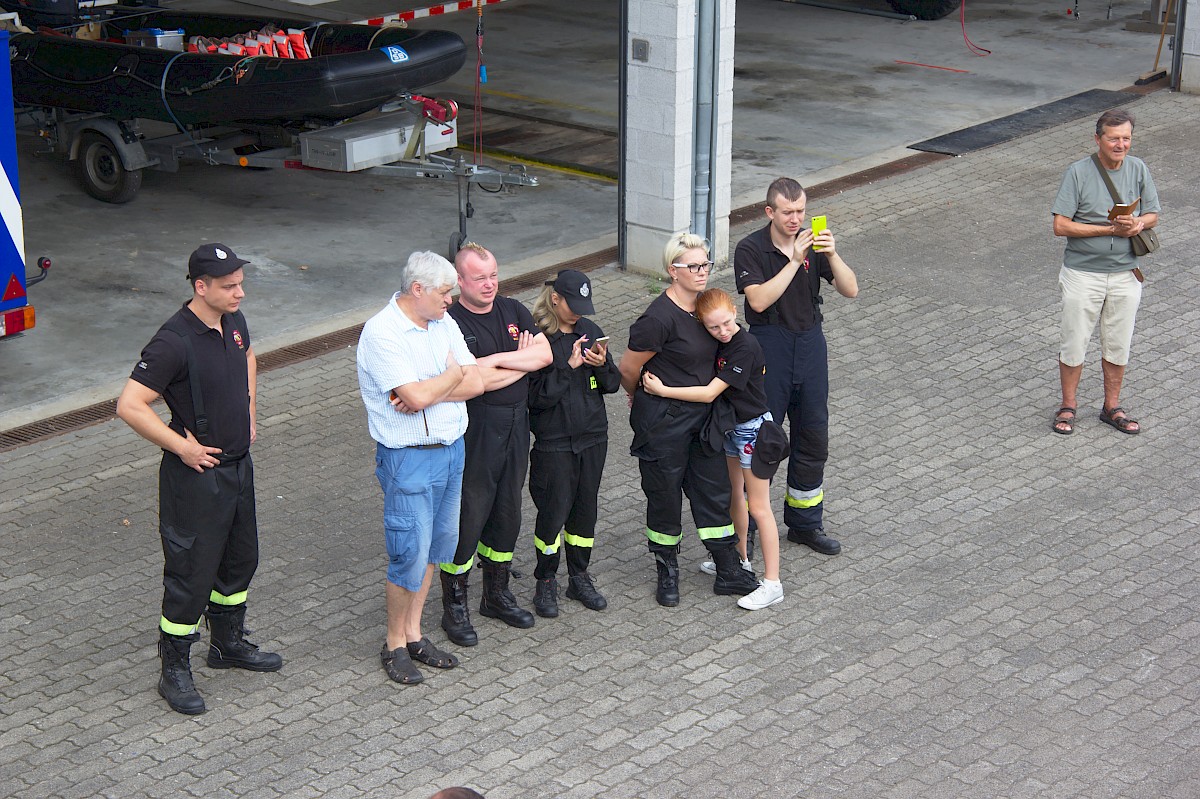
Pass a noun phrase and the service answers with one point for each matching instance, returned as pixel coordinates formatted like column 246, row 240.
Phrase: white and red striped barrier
column 431, row 11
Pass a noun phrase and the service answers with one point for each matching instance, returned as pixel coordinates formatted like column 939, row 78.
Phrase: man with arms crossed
column 780, row 268
column 507, row 345
column 1099, row 276
column 415, row 374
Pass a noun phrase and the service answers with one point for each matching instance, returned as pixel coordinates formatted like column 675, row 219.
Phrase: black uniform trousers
column 564, row 486
column 797, row 386
column 674, row 461
column 209, row 532
column 497, row 457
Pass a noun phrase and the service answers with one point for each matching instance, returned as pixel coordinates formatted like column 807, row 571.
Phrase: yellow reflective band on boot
column 580, row 541
column 454, row 568
column 710, row 533
column 805, row 499
column 548, row 549
column 662, row 538
column 171, row 628
column 220, row 599
column 493, row 555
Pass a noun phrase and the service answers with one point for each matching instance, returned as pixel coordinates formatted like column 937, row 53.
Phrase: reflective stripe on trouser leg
column 803, row 508
column 579, row 553
column 217, row 598
column 497, row 457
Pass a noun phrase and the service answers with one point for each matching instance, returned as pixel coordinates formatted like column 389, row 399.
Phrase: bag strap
column 1107, row 180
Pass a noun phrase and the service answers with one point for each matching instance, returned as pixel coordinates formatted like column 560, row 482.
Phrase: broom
column 1156, row 73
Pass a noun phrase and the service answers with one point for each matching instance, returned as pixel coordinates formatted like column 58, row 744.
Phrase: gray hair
column 429, row 269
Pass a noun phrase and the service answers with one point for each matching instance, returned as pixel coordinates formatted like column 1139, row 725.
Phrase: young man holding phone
column 780, row 268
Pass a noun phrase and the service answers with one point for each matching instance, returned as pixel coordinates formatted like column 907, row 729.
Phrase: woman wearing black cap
column 668, row 434
column 570, row 427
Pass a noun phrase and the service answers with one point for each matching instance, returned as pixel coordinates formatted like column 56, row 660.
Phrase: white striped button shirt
column 394, row 351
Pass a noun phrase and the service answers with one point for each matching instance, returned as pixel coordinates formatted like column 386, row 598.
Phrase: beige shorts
column 1111, row 297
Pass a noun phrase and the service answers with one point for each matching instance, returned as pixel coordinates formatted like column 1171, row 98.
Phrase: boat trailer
column 410, row 137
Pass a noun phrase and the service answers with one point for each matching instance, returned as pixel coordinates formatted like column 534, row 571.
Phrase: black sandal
column 399, row 667
column 1122, row 423
column 430, row 655
column 1058, row 420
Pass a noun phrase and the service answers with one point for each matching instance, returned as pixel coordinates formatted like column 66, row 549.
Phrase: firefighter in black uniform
column 570, row 428
column 780, row 268
column 668, row 439
column 507, row 345
column 202, row 364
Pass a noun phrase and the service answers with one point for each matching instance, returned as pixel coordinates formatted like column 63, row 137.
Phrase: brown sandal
column 399, row 667
column 430, row 655
column 1064, row 426
column 1122, row 423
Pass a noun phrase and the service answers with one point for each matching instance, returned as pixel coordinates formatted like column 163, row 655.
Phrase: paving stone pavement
column 1013, row 614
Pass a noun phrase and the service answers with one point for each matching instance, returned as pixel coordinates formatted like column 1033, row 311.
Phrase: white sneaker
column 708, row 567
column 766, row 595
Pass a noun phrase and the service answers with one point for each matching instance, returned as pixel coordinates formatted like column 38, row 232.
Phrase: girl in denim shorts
column 740, row 382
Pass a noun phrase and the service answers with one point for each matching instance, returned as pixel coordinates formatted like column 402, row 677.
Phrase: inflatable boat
column 134, row 63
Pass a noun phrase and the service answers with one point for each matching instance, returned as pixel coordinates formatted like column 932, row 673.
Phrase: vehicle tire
column 101, row 172
column 456, row 243
column 924, row 9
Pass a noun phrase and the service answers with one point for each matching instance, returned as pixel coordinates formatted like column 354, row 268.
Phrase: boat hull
column 354, row 69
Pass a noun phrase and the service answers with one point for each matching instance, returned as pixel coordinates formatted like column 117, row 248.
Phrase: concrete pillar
column 1188, row 40
column 659, row 130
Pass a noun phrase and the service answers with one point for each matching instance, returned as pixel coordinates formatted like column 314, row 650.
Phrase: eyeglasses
column 695, row 268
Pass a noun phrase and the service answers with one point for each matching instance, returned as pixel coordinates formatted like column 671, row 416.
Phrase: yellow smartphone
column 819, row 225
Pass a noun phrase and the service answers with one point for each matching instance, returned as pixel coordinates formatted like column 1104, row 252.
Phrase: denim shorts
column 739, row 442
column 422, row 493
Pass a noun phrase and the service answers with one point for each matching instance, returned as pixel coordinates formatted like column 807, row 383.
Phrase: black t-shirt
column 685, row 354
column 497, row 331
column 224, row 379
column 741, row 364
column 756, row 260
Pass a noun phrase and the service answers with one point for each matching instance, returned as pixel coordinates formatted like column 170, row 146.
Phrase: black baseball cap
column 213, row 260
column 576, row 289
column 770, row 448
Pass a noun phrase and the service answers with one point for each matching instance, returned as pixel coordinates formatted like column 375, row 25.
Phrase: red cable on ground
column 974, row 48
column 480, row 79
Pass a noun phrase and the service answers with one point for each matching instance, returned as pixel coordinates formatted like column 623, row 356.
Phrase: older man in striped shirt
column 415, row 374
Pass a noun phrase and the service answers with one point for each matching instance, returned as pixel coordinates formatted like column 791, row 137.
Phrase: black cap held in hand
column 213, row 260
column 770, row 448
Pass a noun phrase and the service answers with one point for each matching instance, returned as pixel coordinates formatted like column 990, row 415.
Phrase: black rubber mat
column 997, row 131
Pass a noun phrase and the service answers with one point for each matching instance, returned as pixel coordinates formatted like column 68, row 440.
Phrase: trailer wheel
column 101, row 172
column 924, row 9
column 456, row 243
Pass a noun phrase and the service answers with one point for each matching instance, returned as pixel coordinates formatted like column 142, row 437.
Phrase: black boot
column 497, row 601
column 545, row 598
column 175, row 685
column 667, row 593
column 815, row 539
column 228, row 647
column 579, row 587
column 731, row 579
column 456, row 619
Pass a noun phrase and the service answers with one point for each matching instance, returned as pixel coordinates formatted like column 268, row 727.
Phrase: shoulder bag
column 1142, row 243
